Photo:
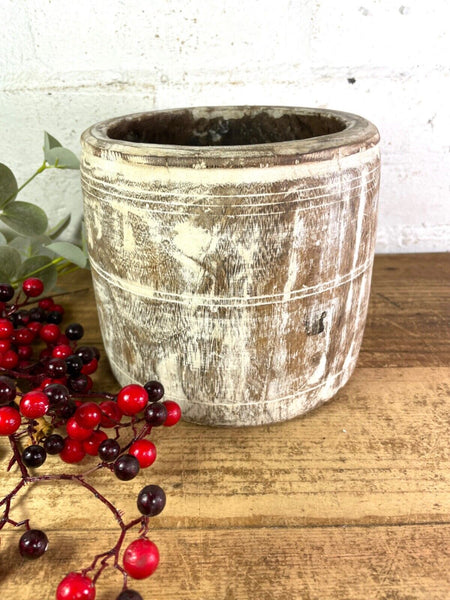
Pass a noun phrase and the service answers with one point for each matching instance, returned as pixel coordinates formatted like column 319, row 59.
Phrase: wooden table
column 349, row 502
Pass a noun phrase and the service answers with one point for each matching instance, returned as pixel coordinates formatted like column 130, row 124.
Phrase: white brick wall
column 65, row 65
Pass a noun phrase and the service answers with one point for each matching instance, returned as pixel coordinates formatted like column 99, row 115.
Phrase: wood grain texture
column 348, row 502
column 237, row 274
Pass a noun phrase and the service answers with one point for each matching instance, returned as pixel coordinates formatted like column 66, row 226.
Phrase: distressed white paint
column 65, row 65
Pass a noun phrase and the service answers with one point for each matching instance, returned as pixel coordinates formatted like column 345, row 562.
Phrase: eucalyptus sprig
column 33, row 248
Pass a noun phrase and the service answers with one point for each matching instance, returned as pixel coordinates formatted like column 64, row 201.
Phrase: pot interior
column 224, row 127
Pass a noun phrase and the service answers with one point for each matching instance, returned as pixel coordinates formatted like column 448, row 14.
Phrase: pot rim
column 357, row 135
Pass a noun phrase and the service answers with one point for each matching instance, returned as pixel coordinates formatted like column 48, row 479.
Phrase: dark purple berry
column 7, row 390
column 37, row 314
column 6, row 292
column 78, row 384
column 109, row 450
column 57, row 394
column 129, row 595
column 74, row 331
column 74, row 365
column 56, row 368
column 155, row 390
column 33, row 543
column 23, row 316
column 54, row 317
column 96, row 352
column 126, row 467
column 34, row 456
column 86, row 353
column 67, row 410
column 151, row 500
column 54, row 444
column 155, row 414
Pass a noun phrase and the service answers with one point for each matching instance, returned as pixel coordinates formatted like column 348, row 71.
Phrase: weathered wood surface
column 244, row 273
column 351, row 501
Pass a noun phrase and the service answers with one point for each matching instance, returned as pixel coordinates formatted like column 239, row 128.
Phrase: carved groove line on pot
column 202, row 300
column 107, row 188
column 280, row 399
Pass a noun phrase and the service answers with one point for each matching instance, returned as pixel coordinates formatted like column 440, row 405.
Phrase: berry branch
column 56, row 415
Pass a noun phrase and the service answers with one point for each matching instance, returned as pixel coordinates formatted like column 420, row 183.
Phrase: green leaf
column 70, row 252
column 63, row 158
column 25, row 218
column 29, row 246
column 49, row 143
column 8, row 185
column 10, row 260
column 59, row 227
column 39, row 266
column 3, row 240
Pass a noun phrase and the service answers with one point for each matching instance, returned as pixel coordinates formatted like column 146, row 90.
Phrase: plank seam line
column 232, row 301
column 341, row 526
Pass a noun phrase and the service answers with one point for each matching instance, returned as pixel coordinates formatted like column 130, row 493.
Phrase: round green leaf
column 70, row 252
column 8, row 185
column 62, row 158
column 25, row 218
column 10, row 260
column 41, row 267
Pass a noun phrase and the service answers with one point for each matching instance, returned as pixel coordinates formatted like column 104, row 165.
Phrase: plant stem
column 39, row 170
column 55, row 261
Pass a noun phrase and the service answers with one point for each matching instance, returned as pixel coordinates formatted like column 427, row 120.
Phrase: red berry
column 91, row 367
column 46, row 303
column 73, row 451
column 9, row 420
column 9, row 360
column 144, row 451
column 75, row 586
column 75, row 431
column 33, row 287
column 25, row 352
column 34, row 404
column 63, row 340
column 111, row 414
column 23, row 336
column 62, row 351
column 88, row 415
column 141, row 558
column 132, row 399
column 5, row 345
column 49, row 333
column 57, row 308
column 173, row 413
column 91, row 444
column 6, row 329
column 34, row 326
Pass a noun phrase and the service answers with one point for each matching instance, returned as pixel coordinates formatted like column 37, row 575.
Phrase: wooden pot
column 231, row 252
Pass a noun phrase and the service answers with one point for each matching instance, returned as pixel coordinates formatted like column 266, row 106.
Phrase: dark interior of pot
column 181, row 127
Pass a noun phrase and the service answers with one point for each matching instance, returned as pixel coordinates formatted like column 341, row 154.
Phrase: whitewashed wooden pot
column 231, row 252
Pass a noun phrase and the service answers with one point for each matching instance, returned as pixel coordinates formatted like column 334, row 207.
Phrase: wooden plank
column 335, row 563
column 351, row 501
column 378, row 453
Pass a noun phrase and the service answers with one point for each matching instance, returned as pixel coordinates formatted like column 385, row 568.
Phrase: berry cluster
column 48, row 407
